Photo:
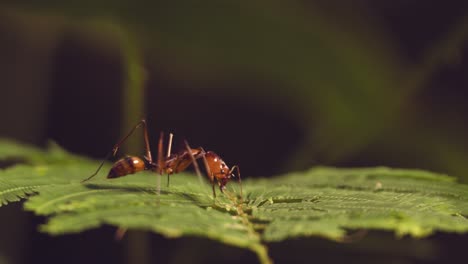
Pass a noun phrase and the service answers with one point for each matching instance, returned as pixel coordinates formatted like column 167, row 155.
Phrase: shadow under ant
column 133, row 189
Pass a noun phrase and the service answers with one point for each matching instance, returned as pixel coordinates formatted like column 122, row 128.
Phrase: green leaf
column 325, row 202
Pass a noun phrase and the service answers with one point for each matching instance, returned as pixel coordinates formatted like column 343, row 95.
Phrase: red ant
column 216, row 168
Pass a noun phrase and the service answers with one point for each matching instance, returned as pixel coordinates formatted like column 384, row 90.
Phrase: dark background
column 272, row 86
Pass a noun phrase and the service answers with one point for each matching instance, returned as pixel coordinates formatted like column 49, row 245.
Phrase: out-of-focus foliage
column 327, row 73
column 335, row 68
column 322, row 202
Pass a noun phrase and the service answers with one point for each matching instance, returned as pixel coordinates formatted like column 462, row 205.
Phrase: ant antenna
column 194, row 161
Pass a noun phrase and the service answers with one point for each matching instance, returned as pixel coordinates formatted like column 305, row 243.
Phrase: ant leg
column 210, row 175
column 98, row 169
column 117, row 146
column 119, row 233
column 194, row 161
column 161, row 162
column 145, row 136
column 238, row 177
column 169, row 146
column 213, row 187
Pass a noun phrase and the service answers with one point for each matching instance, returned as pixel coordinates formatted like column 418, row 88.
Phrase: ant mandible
column 216, row 168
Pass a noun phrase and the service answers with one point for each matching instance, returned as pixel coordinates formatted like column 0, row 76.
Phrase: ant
column 216, row 168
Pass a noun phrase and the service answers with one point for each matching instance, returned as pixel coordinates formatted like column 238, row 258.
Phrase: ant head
column 217, row 165
column 211, row 156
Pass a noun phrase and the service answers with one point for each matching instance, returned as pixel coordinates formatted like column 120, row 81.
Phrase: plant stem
column 259, row 248
column 262, row 253
column 133, row 109
column 133, row 92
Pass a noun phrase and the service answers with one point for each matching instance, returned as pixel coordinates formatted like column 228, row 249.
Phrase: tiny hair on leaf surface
column 324, row 202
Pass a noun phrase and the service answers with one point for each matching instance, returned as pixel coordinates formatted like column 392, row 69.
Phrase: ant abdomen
column 125, row 166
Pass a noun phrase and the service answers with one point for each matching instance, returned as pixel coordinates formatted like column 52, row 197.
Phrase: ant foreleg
column 213, row 187
column 210, row 175
column 238, row 177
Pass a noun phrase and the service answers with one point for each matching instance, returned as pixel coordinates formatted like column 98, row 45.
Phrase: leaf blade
column 324, row 202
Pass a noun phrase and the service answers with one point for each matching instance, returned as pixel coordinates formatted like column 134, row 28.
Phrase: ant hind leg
column 117, row 147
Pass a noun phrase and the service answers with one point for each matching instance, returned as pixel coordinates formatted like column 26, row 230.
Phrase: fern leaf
column 326, row 202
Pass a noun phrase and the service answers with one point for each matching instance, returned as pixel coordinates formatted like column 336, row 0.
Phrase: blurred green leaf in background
column 272, row 85
column 335, row 70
